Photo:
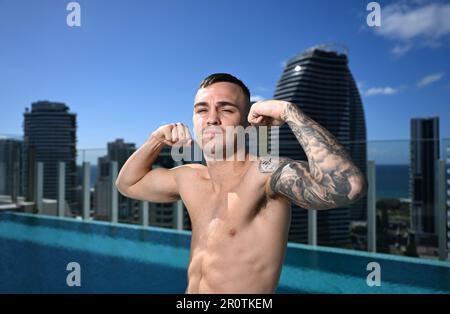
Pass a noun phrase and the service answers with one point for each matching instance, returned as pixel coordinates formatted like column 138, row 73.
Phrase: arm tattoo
column 328, row 180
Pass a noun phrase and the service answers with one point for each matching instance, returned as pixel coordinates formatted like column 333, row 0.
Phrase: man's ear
column 245, row 122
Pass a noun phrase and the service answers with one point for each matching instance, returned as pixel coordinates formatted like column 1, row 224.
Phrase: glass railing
column 406, row 210
column 411, row 192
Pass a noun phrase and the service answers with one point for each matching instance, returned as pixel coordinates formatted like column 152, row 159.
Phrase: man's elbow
column 121, row 187
column 359, row 189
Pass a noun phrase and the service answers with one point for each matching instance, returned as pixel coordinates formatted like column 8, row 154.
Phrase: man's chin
column 209, row 145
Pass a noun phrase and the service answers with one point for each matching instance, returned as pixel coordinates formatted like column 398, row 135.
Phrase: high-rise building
column 120, row 151
column 117, row 151
column 320, row 83
column 102, row 191
column 424, row 156
column 50, row 137
column 11, row 167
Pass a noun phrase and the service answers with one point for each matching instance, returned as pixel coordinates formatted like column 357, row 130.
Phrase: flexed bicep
column 159, row 186
column 293, row 179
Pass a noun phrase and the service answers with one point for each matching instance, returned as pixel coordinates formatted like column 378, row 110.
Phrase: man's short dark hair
column 225, row 77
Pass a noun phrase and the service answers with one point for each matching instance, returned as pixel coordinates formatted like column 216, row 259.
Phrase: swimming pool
column 119, row 258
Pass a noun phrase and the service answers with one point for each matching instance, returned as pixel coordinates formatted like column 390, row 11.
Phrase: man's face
column 217, row 107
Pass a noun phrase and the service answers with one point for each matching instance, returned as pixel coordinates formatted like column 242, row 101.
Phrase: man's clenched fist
column 267, row 112
column 173, row 134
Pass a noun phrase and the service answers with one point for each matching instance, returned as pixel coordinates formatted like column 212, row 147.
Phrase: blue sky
column 134, row 65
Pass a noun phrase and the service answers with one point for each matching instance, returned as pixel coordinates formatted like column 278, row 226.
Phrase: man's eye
column 226, row 110
column 201, row 110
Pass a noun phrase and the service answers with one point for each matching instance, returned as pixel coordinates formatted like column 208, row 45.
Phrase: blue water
column 34, row 252
column 392, row 181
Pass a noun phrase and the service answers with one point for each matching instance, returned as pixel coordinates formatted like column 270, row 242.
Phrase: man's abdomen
column 229, row 258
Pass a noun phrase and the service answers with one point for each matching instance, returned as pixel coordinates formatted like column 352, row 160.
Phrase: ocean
column 392, row 181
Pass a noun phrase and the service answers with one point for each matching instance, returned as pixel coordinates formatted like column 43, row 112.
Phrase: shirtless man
column 240, row 210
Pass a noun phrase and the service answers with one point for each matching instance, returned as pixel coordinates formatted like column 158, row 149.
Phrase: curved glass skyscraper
column 320, row 83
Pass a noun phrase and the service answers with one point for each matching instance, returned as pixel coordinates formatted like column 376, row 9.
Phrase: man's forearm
column 139, row 163
column 329, row 163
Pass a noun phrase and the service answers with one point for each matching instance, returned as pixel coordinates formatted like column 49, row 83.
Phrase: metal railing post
column 86, row 190
column 144, row 213
column 441, row 211
column 61, row 188
column 312, row 227
column 38, row 185
column 180, row 214
column 371, row 208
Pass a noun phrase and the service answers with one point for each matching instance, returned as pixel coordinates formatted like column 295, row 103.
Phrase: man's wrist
column 288, row 108
column 155, row 141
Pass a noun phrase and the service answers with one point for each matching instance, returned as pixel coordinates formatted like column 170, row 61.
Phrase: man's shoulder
column 190, row 169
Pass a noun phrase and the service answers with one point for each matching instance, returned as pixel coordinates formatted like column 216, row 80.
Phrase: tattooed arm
column 328, row 180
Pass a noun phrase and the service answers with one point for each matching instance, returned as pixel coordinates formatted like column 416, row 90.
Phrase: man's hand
column 173, row 134
column 268, row 112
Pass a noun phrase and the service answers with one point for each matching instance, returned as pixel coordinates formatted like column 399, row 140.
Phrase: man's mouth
column 212, row 132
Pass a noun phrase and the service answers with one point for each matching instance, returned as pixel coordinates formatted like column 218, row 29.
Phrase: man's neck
column 222, row 171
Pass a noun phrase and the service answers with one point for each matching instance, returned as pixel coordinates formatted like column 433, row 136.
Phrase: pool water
column 119, row 258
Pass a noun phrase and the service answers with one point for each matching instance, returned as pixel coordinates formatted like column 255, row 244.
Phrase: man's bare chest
column 236, row 202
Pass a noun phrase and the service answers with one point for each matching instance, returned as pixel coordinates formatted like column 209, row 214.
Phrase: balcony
column 140, row 247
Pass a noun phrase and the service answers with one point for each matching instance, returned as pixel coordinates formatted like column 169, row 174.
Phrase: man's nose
column 213, row 118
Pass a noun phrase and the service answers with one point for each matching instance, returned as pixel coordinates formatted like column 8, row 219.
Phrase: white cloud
column 415, row 23
column 372, row 91
column 399, row 21
column 426, row 80
column 256, row 98
column 283, row 63
column 381, row 91
column 400, row 50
